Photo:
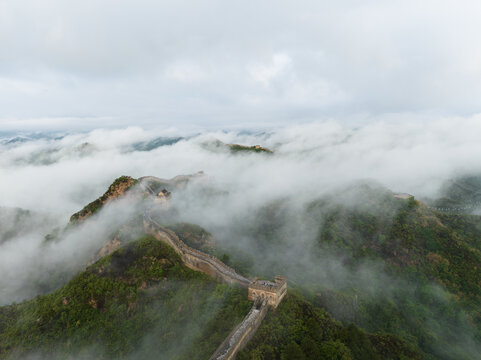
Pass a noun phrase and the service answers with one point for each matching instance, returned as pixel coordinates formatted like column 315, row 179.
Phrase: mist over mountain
column 217, row 180
column 318, row 206
column 408, row 157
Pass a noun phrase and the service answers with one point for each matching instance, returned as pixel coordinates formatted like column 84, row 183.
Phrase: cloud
column 143, row 62
column 59, row 174
column 185, row 72
column 264, row 73
column 31, row 266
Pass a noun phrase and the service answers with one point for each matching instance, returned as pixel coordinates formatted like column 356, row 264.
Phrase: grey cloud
column 84, row 65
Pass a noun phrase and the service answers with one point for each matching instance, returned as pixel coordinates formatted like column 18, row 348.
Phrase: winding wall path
column 239, row 337
column 456, row 209
column 210, row 265
column 193, row 258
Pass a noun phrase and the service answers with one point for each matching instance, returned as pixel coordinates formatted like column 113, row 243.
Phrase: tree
column 292, row 352
column 310, row 349
column 358, row 342
column 334, row 350
column 314, row 330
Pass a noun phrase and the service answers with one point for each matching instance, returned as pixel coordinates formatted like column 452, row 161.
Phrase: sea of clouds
column 60, row 173
column 57, row 174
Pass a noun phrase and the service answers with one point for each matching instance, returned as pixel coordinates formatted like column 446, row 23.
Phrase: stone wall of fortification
column 273, row 297
column 210, row 265
column 241, row 335
column 207, row 264
column 192, row 258
column 273, row 292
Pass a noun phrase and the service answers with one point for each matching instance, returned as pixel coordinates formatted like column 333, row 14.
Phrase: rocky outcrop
column 118, row 188
column 255, row 148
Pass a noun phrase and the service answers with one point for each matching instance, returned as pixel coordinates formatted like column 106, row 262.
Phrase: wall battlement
column 241, row 335
column 263, row 293
column 273, row 292
column 192, row 258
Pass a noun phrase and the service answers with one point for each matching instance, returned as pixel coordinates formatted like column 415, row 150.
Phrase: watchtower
column 272, row 291
column 163, row 198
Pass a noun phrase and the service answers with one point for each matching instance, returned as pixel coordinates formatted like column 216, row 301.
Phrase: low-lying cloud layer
column 59, row 174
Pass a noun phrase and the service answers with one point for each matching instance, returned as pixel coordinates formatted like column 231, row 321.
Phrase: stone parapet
column 272, row 291
column 263, row 293
column 193, row 258
column 241, row 335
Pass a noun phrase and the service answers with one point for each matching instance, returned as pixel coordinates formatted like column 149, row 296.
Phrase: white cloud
column 274, row 61
column 414, row 155
column 264, row 73
column 185, row 72
column 19, row 87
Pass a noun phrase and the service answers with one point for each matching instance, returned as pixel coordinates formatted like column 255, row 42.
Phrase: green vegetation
column 194, row 236
column 198, row 238
column 299, row 330
column 431, row 246
column 460, row 193
column 141, row 301
column 434, row 257
column 118, row 187
column 406, row 270
column 140, row 293
column 219, row 146
column 235, row 148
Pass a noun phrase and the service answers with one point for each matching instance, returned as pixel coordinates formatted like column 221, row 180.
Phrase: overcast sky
column 226, row 64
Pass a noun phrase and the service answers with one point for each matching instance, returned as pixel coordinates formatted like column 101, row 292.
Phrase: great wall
column 241, row 335
column 264, row 294
column 445, row 209
column 458, row 209
column 192, row 258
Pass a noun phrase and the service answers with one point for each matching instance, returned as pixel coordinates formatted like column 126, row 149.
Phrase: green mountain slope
column 299, row 330
column 139, row 301
column 118, row 188
column 388, row 265
column 433, row 260
column 142, row 302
